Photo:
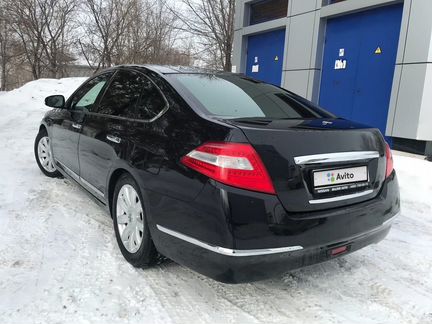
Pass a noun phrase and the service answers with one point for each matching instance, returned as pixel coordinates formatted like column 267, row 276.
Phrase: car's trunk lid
column 294, row 150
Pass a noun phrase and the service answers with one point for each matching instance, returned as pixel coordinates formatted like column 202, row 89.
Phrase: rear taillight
column 234, row 164
column 389, row 161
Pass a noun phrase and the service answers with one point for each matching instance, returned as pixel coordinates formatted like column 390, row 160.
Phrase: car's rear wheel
column 44, row 156
column 130, row 224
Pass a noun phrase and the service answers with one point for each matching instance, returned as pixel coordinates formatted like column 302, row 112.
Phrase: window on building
column 267, row 10
column 329, row 2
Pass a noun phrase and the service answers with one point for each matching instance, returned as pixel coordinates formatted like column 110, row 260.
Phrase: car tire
column 44, row 156
column 130, row 224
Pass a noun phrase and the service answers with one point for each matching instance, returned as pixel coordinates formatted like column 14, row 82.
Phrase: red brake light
column 389, row 161
column 234, row 164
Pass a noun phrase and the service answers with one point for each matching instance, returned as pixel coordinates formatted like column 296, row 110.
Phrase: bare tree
column 29, row 27
column 44, row 35
column 104, row 28
column 5, row 47
column 131, row 31
column 57, row 34
column 42, row 28
column 136, row 44
column 212, row 21
column 163, row 36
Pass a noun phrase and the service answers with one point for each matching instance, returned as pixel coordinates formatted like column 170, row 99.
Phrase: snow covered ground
column 59, row 262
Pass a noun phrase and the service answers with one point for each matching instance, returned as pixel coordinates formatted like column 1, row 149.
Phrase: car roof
column 170, row 69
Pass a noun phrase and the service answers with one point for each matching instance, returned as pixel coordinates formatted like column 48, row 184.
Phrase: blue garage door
column 265, row 56
column 358, row 66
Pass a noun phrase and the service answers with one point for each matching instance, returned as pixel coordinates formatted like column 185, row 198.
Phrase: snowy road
column 59, row 262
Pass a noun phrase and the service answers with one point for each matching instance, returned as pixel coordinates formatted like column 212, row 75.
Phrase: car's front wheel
column 130, row 224
column 44, row 156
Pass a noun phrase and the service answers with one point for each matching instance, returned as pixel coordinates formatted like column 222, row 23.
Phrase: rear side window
column 122, row 94
column 132, row 95
column 234, row 96
column 151, row 102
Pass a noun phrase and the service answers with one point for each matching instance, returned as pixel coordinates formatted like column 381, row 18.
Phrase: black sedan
column 235, row 178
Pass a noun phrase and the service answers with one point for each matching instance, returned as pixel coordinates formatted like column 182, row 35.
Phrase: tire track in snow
column 250, row 299
column 182, row 284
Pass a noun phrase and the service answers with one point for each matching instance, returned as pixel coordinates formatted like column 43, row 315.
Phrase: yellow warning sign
column 277, row 58
column 378, row 50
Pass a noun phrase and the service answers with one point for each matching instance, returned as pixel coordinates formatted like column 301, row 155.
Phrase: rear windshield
column 234, row 96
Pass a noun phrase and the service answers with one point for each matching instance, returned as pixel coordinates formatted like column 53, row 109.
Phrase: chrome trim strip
column 68, row 171
column 93, row 188
column 225, row 251
column 77, row 178
column 336, row 157
column 373, row 230
column 113, row 138
column 340, row 198
column 389, row 221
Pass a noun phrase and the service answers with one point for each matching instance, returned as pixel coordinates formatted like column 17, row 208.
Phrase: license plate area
column 340, row 180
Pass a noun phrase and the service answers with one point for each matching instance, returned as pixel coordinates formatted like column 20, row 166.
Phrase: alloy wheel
column 45, row 155
column 130, row 218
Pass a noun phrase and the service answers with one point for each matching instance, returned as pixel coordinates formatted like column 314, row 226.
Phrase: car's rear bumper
column 237, row 266
column 251, row 237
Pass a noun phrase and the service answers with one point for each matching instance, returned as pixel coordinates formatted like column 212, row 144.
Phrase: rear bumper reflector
column 339, row 250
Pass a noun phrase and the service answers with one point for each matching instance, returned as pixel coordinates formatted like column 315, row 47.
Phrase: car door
column 104, row 136
column 66, row 123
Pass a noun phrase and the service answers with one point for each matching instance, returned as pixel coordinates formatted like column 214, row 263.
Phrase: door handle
column 113, row 138
column 77, row 126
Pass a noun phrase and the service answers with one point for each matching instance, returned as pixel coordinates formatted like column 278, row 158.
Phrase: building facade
column 365, row 60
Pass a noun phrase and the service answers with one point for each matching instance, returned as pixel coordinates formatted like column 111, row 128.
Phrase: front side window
column 233, row 96
column 85, row 98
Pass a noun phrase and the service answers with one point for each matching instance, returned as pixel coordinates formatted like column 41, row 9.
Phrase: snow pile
column 59, row 261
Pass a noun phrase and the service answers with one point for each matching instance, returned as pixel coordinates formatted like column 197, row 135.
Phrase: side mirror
column 57, row 101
